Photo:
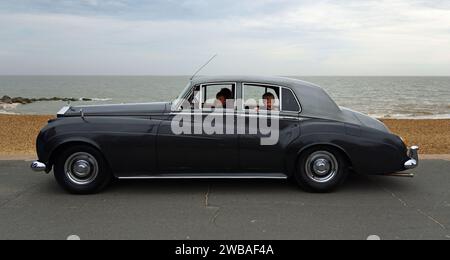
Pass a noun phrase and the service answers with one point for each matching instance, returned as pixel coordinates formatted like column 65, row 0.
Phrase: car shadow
column 355, row 183
column 362, row 182
column 196, row 185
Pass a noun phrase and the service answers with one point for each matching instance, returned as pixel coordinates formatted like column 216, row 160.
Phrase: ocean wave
column 410, row 116
column 5, row 112
column 6, row 106
column 101, row 99
column 25, row 100
column 8, row 109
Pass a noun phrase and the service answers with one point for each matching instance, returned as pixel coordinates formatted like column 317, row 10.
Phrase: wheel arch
column 72, row 142
column 324, row 144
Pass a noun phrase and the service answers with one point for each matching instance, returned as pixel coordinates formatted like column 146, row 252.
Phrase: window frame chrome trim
column 215, row 84
column 280, row 97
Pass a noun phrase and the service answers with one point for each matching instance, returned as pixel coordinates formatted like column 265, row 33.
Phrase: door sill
column 281, row 176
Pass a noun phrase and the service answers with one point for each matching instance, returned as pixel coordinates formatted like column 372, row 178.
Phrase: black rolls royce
column 221, row 127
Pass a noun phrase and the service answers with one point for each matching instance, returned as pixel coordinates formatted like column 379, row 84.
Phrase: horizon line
column 186, row 75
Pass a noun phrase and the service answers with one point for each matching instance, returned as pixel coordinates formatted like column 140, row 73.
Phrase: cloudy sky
column 269, row 37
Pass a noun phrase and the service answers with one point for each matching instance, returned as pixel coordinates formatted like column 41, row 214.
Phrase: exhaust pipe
column 400, row 174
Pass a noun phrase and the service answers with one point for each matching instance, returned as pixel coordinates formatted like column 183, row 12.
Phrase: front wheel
column 321, row 169
column 82, row 169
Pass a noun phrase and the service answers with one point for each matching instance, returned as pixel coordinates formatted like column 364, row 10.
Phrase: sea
column 381, row 97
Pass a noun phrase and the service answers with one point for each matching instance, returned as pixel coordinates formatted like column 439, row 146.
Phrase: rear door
column 265, row 136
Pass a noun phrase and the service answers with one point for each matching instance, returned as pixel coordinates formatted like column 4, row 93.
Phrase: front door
column 195, row 140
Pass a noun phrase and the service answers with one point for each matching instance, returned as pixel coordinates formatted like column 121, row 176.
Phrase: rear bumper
column 413, row 155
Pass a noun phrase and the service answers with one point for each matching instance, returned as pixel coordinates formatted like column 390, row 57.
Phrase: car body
column 136, row 141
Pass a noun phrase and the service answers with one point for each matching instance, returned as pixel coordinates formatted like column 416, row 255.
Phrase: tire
column 321, row 169
column 81, row 169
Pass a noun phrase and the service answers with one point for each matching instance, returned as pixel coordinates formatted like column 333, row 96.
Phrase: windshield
column 179, row 99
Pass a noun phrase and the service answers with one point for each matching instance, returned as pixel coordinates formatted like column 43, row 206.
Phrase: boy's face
column 222, row 100
column 268, row 103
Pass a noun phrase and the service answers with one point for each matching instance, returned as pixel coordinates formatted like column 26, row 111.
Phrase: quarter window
column 289, row 101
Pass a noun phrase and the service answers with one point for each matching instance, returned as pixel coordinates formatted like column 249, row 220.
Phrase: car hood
column 115, row 110
column 363, row 119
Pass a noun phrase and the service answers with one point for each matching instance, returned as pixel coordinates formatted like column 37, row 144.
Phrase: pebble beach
column 18, row 134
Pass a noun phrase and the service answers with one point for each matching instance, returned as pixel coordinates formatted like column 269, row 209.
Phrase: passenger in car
column 269, row 100
column 222, row 96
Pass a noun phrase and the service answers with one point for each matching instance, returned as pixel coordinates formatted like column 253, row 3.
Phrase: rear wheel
column 81, row 169
column 321, row 169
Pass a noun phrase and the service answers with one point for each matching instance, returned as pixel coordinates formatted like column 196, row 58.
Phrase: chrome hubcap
column 321, row 166
column 81, row 168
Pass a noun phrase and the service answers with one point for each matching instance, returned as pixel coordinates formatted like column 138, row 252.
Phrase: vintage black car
column 318, row 143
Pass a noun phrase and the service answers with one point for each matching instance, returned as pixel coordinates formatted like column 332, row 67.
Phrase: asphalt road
column 32, row 206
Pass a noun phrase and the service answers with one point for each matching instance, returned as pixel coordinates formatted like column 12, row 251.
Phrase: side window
column 260, row 97
column 289, row 101
column 213, row 96
column 195, row 98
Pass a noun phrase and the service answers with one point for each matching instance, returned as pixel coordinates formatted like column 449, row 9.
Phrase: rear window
column 289, row 101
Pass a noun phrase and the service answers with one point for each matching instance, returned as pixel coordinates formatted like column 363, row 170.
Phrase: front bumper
column 413, row 162
column 38, row 166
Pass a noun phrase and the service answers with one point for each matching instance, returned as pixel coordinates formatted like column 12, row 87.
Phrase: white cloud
column 325, row 37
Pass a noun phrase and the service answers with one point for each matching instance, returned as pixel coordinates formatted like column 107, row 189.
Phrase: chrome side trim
column 38, row 166
column 413, row 162
column 198, row 176
column 277, row 115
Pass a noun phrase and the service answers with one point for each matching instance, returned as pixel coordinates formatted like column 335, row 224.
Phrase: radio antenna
column 195, row 74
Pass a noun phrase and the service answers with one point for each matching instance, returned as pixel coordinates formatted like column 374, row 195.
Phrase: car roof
column 281, row 81
column 315, row 102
